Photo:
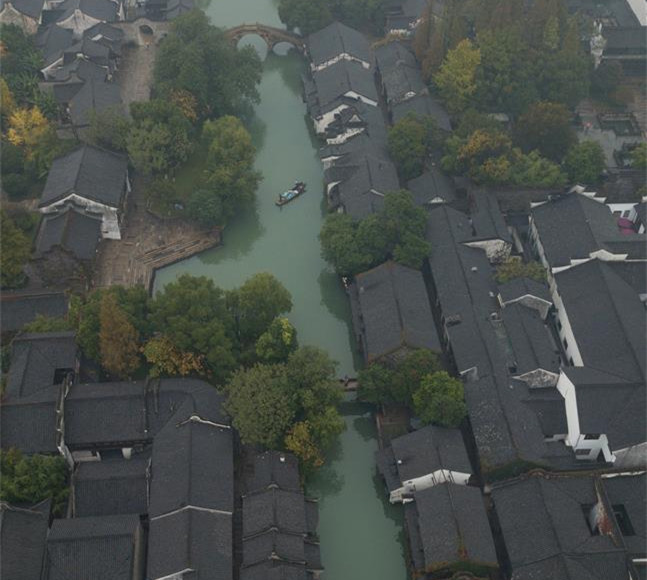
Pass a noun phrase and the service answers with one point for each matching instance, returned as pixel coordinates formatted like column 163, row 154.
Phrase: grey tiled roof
column 31, row 8
column 428, row 449
column 72, row 229
column 607, row 318
column 607, row 404
column 486, row 216
column 263, row 547
column 336, row 39
column 35, row 359
column 275, row 571
column 191, row 539
column 530, row 340
column 22, row 542
column 52, row 41
column 82, row 548
column 544, row 525
column 274, row 508
column 518, row 287
column 399, row 71
column 192, row 466
column 103, row 10
column 453, row 526
column 89, row 172
column 97, row 96
column 362, row 183
column 111, row 487
column 393, row 311
column 273, row 468
column 425, row 105
column 573, row 226
column 631, row 492
column 341, row 78
column 19, row 308
column 79, row 68
column 433, row 186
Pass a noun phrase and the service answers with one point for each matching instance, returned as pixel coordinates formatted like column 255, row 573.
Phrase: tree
column 514, row 267
column 118, row 339
column 411, row 140
column 306, row 15
column 230, row 177
column 456, row 79
column 638, row 156
column 27, row 128
column 158, row 141
column 109, row 128
column 533, row 170
column 339, row 245
column 380, row 384
column 261, row 404
column 546, row 127
column 167, row 360
column 7, row 102
column 193, row 314
column 48, row 324
column 585, row 162
column 196, row 58
column 504, row 78
column 257, row 303
column 299, row 441
column 21, row 63
column 33, row 479
column 397, row 231
column 134, row 302
column 15, row 253
column 277, row 342
column 206, row 208
column 439, row 400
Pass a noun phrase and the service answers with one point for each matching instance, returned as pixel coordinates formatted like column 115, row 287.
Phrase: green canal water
column 360, row 532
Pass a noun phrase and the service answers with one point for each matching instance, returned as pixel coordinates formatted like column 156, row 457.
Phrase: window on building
column 60, row 374
column 589, row 511
column 565, row 343
column 570, row 360
column 626, row 213
column 622, row 517
column 617, row 213
column 559, row 324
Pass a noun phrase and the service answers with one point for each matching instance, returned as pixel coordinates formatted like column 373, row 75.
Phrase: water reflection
column 239, row 238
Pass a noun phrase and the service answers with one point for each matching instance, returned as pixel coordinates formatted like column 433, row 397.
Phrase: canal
column 360, row 532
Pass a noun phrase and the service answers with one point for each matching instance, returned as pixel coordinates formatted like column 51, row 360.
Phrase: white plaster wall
column 340, row 56
column 427, row 481
column 566, row 331
column 496, row 250
column 9, row 15
column 343, row 137
column 567, row 390
column 632, row 457
column 321, row 123
column 110, row 215
column 78, row 23
column 354, row 95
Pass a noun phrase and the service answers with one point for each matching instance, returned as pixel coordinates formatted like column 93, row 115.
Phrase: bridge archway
column 271, row 35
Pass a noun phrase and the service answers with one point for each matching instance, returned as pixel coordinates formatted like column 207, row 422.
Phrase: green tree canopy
column 456, row 79
column 257, row 303
column 48, row 324
column 33, row 479
column 261, row 404
column 16, row 249
column 306, row 15
column 134, row 302
column 110, row 128
column 158, row 141
column 118, row 339
column 439, row 400
column 546, row 127
column 382, row 384
column 197, row 59
column 638, row 156
column 585, row 162
column 397, row 231
column 277, row 342
column 514, row 267
column 193, row 314
column 230, row 179
column 411, row 140
column 606, row 79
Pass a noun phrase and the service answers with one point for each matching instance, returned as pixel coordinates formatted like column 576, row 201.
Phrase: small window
column 570, row 360
column 589, row 516
column 60, row 374
column 626, row 213
column 565, row 343
column 592, row 436
column 622, row 517
column 617, row 213
column 559, row 324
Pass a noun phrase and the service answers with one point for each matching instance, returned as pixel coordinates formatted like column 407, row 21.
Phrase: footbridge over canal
column 271, row 35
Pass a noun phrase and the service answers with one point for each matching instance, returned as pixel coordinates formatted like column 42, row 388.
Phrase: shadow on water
column 290, row 65
column 239, row 238
column 365, row 426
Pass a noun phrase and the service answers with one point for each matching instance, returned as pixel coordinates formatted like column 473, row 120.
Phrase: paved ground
column 135, row 72
column 148, row 243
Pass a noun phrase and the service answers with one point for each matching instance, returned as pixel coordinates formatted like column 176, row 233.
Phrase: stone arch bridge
column 271, row 35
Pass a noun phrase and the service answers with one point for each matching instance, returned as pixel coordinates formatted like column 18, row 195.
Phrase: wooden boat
column 291, row 194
